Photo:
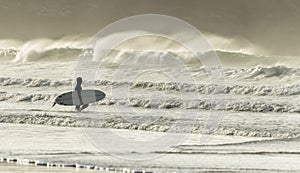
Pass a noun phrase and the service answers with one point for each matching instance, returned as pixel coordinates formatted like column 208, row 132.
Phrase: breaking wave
column 204, row 104
column 171, row 103
column 163, row 124
column 239, row 89
column 44, row 51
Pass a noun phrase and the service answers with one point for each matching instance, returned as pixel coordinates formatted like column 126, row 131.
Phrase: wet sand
column 17, row 168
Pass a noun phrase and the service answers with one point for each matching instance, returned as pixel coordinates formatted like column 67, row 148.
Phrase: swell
column 29, row 82
column 203, row 104
column 163, row 124
column 11, row 53
column 255, row 90
column 18, row 97
column 262, row 72
column 170, row 103
column 68, row 52
column 54, row 54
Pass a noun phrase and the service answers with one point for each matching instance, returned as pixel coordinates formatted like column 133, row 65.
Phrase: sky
column 265, row 26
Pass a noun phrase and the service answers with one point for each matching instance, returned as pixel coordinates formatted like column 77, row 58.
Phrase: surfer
column 78, row 88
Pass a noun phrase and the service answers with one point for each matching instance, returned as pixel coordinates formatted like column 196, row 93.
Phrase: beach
column 74, row 147
column 8, row 167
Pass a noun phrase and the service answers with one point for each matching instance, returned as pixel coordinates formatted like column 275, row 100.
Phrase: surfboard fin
column 54, row 104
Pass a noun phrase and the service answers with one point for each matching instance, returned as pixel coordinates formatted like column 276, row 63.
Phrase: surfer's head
column 79, row 80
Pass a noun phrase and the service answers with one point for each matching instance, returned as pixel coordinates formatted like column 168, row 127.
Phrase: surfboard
column 72, row 98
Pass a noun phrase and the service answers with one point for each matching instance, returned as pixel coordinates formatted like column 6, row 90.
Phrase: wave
column 29, row 82
column 202, row 104
column 163, row 124
column 113, row 57
column 171, row 103
column 256, row 90
column 4, row 96
column 64, row 49
column 56, row 54
column 264, row 72
column 8, row 53
column 72, row 49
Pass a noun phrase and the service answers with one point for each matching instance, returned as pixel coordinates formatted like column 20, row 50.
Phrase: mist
column 260, row 26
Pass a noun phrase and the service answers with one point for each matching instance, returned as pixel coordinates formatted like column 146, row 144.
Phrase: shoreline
column 36, row 149
column 37, row 145
column 16, row 164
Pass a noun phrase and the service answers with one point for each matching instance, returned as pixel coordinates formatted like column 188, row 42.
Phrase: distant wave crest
column 72, row 53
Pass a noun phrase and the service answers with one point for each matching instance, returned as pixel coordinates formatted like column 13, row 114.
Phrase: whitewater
column 259, row 119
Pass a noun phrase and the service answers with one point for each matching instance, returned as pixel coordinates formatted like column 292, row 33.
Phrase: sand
column 16, row 168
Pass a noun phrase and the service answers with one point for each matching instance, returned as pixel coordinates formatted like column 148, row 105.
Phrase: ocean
column 151, row 121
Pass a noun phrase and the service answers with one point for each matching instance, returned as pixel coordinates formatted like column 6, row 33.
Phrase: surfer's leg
column 84, row 106
column 77, row 108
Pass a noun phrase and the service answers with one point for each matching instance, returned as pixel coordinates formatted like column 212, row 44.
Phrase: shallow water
column 227, row 153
